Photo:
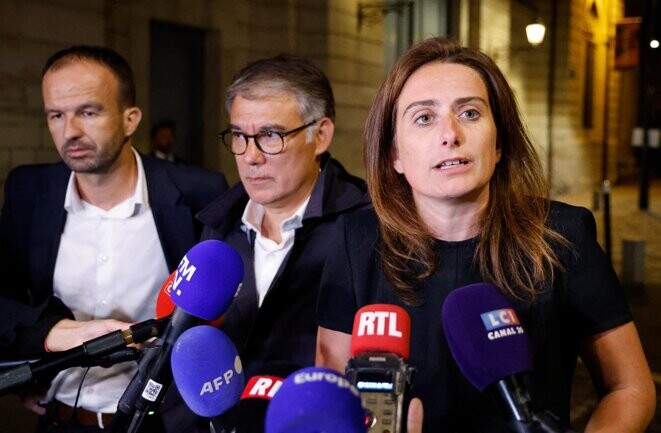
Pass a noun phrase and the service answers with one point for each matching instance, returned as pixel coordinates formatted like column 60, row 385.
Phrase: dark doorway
column 177, row 85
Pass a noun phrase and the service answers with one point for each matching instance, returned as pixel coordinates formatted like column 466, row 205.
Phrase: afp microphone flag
column 207, row 370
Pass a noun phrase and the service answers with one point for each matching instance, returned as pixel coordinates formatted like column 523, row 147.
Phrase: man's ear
column 132, row 117
column 323, row 135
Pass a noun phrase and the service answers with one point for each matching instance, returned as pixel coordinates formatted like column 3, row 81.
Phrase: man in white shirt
column 282, row 214
column 89, row 241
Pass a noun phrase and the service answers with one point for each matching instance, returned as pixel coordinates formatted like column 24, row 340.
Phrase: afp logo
column 218, row 383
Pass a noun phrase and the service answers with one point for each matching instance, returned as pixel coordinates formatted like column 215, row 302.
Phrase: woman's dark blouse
column 583, row 300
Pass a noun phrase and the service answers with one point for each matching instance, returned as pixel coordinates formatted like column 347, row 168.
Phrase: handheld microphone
column 203, row 286
column 251, row 411
column 207, row 370
column 97, row 351
column 165, row 305
column 491, row 348
column 379, row 350
column 316, row 399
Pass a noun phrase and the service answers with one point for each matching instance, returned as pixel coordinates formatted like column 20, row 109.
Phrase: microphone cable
column 78, row 392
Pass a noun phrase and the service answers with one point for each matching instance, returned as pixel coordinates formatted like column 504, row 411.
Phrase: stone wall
column 325, row 31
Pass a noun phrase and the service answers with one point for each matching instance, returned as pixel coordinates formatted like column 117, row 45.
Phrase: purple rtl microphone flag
column 485, row 336
column 316, row 399
column 207, row 370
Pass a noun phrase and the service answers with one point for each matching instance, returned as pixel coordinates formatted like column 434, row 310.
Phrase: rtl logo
column 382, row 323
column 262, row 387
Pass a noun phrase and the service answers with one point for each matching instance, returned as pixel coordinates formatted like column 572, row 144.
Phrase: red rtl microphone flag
column 381, row 328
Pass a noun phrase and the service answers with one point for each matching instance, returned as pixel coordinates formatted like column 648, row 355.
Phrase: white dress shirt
column 269, row 254
column 110, row 264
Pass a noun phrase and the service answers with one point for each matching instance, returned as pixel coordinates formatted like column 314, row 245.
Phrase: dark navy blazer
column 32, row 222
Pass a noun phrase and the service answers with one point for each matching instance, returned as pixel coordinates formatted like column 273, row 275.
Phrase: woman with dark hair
column 460, row 197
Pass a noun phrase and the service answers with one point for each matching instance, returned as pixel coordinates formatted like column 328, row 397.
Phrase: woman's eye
column 470, row 114
column 423, row 119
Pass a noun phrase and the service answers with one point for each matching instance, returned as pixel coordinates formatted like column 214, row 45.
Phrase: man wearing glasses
column 281, row 216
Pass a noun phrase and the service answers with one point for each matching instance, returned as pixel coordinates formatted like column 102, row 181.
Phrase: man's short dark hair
column 286, row 73
column 103, row 56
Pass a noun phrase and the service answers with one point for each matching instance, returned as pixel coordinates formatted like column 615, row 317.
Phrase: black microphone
column 380, row 344
column 204, row 285
column 492, row 350
column 97, row 351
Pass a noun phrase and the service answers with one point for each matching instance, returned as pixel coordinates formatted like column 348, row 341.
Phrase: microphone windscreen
column 381, row 328
column 258, row 393
column 316, row 399
column 164, row 304
column 485, row 335
column 207, row 279
column 207, row 370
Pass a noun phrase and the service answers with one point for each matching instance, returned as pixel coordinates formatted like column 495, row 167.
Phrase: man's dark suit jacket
column 32, row 222
column 283, row 329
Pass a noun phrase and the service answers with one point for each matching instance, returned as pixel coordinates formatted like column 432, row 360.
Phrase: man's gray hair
column 286, row 73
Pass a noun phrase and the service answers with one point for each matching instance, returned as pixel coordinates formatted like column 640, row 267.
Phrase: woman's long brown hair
column 514, row 250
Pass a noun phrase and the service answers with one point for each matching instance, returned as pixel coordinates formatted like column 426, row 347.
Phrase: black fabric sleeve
column 593, row 291
column 336, row 305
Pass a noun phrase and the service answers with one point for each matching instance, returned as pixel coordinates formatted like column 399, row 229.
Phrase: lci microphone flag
column 485, row 336
column 316, row 399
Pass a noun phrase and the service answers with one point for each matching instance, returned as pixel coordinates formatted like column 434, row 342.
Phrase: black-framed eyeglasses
column 269, row 142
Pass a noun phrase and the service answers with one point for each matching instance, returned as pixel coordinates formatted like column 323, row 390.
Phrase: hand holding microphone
column 203, row 286
column 491, row 349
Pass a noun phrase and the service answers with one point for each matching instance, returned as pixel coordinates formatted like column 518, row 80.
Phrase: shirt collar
column 254, row 213
column 73, row 204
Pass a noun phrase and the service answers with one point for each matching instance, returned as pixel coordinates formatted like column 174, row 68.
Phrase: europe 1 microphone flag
column 380, row 344
column 207, row 370
column 491, row 348
column 316, row 399
column 203, row 286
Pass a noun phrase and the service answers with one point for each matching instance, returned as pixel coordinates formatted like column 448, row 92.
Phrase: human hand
column 32, row 402
column 415, row 415
column 71, row 333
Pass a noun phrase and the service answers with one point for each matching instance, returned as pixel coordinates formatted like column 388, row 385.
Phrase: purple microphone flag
column 316, row 399
column 207, row 370
column 207, row 279
column 485, row 336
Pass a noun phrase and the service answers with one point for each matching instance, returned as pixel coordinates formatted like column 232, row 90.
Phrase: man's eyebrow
column 93, row 105
column 88, row 105
column 267, row 127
